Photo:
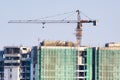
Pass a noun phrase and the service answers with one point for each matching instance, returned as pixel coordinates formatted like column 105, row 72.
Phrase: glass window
column 81, row 67
column 10, row 70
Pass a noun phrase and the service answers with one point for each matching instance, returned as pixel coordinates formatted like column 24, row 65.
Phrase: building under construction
column 107, row 62
column 60, row 60
column 16, row 63
column 56, row 60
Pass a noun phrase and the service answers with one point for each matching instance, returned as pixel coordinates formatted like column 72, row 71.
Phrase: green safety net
column 57, row 63
column 108, row 64
column 89, row 63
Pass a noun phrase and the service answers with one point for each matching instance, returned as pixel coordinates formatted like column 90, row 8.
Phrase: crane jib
column 52, row 21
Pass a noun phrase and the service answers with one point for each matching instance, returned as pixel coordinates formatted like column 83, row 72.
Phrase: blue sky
column 106, row 11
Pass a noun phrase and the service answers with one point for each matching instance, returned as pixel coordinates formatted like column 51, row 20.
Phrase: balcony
column 12, row 61
column 12, row 55
column 27, row 71
column 25, row 59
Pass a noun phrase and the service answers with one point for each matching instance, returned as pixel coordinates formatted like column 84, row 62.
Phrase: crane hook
column 43, row 25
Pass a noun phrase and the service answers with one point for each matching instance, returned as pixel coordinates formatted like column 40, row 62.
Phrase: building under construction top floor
column 107, row 66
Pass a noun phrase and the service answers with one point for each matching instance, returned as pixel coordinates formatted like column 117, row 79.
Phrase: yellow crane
column 79, row 22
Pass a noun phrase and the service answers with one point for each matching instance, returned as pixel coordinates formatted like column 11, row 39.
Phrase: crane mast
column 79, row 29
column 79, row 22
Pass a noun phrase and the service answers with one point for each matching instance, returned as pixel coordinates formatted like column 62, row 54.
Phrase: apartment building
column 16, row 63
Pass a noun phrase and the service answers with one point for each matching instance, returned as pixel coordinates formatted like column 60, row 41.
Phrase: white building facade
column 16, row 63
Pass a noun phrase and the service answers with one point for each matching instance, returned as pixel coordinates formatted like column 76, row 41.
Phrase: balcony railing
column 12, row 61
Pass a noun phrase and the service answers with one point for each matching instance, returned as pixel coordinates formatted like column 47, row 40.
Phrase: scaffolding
column 89, row 63
column 57, row 63
column 108, row 63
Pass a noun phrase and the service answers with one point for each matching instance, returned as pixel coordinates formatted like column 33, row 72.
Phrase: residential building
column 16, row 63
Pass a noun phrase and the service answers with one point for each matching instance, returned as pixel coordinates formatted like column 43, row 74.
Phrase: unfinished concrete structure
column 16, row 63
column 59, row 60
column 107, row 62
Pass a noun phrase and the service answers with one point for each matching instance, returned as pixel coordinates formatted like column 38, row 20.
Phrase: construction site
column 53, row 61
column 60, row 60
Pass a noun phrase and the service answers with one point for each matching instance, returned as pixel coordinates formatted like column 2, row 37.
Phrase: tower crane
column 79, row 22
